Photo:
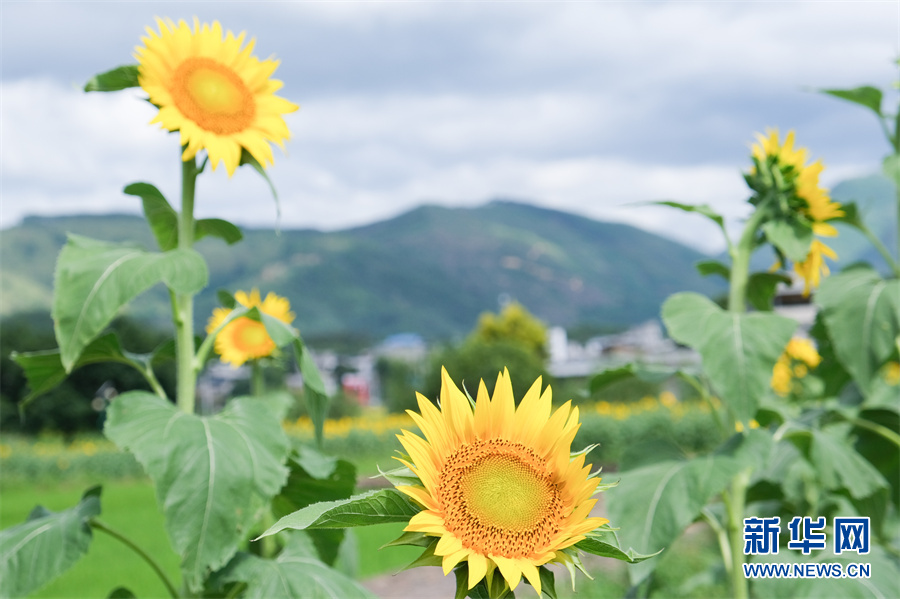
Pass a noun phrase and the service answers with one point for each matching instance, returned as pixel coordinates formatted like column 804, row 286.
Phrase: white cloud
column 578, row 106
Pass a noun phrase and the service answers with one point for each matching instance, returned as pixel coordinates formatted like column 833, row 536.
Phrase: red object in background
column 357, row 387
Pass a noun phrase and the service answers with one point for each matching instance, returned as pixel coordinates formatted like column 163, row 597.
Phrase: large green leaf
column 838, row 465
column 94, row 279
column 114, row 80
column 44, row 369
column 46, row 545
column 862, row 312
column 212, row 474
column 653, row 505
column 296, row 572
column 374, row 507
column 738, row 350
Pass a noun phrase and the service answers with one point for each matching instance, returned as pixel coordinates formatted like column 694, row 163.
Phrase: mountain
column 432, row 270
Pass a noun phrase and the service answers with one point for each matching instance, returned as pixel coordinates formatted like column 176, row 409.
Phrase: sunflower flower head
column 781, row 166
column 500, row 492
column 211, row 89
column 799, row 356
column 243, row 338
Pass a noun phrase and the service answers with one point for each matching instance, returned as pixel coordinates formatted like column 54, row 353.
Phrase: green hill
column 431, row 270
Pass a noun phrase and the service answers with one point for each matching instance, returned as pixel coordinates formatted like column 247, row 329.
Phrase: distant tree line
column 76, row 404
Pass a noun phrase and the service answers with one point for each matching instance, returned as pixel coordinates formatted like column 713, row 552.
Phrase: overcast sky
column 581, row 106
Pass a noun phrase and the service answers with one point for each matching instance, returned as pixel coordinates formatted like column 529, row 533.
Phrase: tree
column 514, row 324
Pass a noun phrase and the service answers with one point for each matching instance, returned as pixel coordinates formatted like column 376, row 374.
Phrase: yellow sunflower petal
column 510, row 570
column 478, row 565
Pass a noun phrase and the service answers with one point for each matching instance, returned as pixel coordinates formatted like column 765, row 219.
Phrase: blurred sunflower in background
column 782, row 168
column 243, row 338
column 499, row 488
column 213, row 91
column 798, row 358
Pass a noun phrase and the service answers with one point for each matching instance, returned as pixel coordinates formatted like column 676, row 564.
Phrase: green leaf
column 374, row 507
column 793, row 238
column 891, row 168
column 702, row 209
column 160, row 215
column 417, row 539
column 867, row 96
column 851, row 216
column 247, row 158
column 46, row 545
column 212, row 474
column 216, row 227
column 427, row 558
column 44, row 370
column 314, row 389
column 163, row 219
column 646, row 373
column 111, row 81
column 738, row 350
column 713, row 267
column 761, row 287
column 654, row 504
column 605, row 544
column 315, row 477
column 399, row 476
column 94, row 279
column 548, row 582
column 862, row 312
column 226, row 299
column 296, row 572
column 838, row 465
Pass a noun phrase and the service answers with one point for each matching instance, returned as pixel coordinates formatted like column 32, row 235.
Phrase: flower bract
column 243, row 338
column 213, row 91
column 499, row 488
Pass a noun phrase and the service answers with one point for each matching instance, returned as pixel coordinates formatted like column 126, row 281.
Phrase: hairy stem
column 740, row 262
column 735, row 499
column 184, row 302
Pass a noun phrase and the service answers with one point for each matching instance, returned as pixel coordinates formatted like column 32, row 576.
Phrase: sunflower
column 213, row 91
column 243, row 338
column 813, row 268
column 799, row 356
column 499, row 488
column 816, row 203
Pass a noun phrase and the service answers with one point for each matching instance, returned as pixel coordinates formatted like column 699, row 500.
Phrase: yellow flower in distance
column 799, row 355
column 245, row 339
column 213, row 91
column 499, row 487
column 792, row 162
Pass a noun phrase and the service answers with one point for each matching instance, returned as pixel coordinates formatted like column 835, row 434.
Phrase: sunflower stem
column 184, row 302
column 740, row 262
column 257, row 381
column 102, row 526
column 735, row 499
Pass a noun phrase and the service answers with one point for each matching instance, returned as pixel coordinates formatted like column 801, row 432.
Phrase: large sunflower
column 243, row 338
column 499, row 487
column 213, row 91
